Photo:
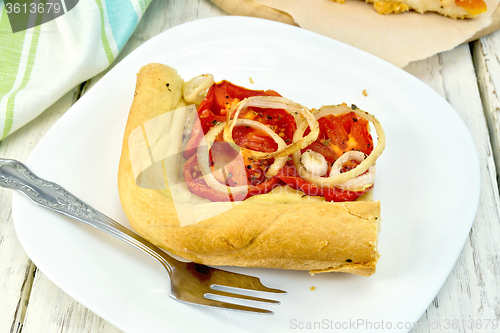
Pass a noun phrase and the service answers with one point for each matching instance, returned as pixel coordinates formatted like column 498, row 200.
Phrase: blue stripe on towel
column 122, row 20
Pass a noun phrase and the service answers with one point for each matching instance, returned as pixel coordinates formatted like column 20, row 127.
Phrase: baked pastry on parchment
column 456, row 9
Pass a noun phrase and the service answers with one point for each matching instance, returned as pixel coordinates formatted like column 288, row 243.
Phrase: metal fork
column 190, row 282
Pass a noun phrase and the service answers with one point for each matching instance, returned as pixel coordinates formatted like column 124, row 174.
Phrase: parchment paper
column 397, row 38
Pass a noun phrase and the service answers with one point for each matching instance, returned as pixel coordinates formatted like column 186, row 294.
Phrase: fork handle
column 15, row 175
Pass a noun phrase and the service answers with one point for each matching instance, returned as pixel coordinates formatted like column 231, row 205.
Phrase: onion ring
column 194, row 90
column 273, row 102
column 358, row 170
column 359, row 183
column 203, row 156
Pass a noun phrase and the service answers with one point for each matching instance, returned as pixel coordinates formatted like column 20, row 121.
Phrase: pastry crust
column 444, row 7
column 309, row 235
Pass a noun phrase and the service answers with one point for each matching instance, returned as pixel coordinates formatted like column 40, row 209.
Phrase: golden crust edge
column 137, row 206
column 386, row 7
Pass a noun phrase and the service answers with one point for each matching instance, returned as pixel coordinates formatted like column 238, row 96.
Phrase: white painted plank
column 470, row 292
column 470, row 289
column 15, row 266
column 487, row 64
column 50, row 309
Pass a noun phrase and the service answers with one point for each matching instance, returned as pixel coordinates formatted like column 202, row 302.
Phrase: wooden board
column 469, row 295
column 253, row 9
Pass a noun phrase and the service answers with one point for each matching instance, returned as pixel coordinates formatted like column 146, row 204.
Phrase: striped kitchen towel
column 39, row 65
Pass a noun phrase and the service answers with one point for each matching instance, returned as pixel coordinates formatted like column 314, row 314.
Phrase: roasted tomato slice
column 223, row 95
column 341, row 133
column 289, row 175
column 198, row 186
column 213, row 109
column 338, row 134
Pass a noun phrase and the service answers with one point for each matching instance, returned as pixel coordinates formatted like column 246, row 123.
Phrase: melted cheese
column 473, row 7
column 284, row 195
column 388, row 7
column 287, row 195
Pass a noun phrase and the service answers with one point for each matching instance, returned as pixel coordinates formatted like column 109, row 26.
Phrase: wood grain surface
column 471, row 290
column 468, row 77
column 487, row 64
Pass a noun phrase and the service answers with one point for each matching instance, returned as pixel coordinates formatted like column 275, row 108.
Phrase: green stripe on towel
column 9, row 115
column 104, row 38
column 11, row 47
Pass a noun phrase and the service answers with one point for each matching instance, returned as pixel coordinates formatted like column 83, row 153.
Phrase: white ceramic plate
column 427, row 213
